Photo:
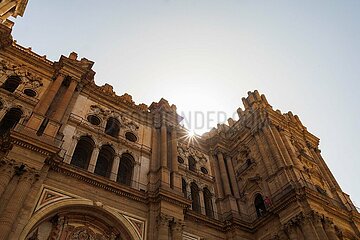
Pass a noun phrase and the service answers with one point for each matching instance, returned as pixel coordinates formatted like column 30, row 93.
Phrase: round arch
column 96, row 207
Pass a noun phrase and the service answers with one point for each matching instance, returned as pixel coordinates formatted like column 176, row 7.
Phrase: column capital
column 178, row 225
column 163, row 220
column 219, row 153
column 60, row 73
column 29, row 176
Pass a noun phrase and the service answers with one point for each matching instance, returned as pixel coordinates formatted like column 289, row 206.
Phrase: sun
column 191, row 134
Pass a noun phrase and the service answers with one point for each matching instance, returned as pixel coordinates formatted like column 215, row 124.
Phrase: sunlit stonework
column 78, row 161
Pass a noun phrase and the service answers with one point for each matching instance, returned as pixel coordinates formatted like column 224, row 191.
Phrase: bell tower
column 271, row 172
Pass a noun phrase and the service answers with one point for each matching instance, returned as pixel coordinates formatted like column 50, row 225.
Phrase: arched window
column 183, row 187
column 125, row 169
column 192, row 164
column 208, row 203
column 11, row 83
column 83, row 152
column 112, row 127
column 9, row 121
column 195, row 198
column 259, row 205
column 104, row 161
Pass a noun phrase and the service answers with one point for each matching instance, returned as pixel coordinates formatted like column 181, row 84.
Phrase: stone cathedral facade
column 78, row 162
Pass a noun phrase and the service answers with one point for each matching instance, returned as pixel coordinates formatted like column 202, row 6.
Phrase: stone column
column 174, row 153
column 3, row 112
column 214, row 208
column 6, row 172
column 324, row 169
column 64, row 102
column 291, row 230
column 273, row 148
column 223, row 173
column 177, row 229
column 115, row 168
column 13, row 207
column 283, row 151
column 43, row 105
column 176, row 178
column 290, row 150
column 163, row 145
column 163, row 227
column 93, row 159
column 282, row 235
column 269, row 167
column 188, row 190
column 215, row 168
column 154, row 150
column 136, row 175
column 319, row 227
column 202, row 203
column 330, row 230
column 233, row 181
column 70, row 152
column 308, row 229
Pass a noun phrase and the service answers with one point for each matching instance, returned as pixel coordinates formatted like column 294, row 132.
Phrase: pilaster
column 115, row 168
column 317, row 222
column 177, row 228
column 223, row 172
column 307, row 228
column 163, row 222
column 17, row 199
column 233, row 181
column 93, row 159
column 330, row 229
column 71, row 149
column 64, row 102
column 6, row 172
column 44, row 103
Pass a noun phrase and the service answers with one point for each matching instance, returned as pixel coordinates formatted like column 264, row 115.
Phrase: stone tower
column 78, row 161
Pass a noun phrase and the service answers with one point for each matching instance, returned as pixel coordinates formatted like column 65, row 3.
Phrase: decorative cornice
column 97, row 181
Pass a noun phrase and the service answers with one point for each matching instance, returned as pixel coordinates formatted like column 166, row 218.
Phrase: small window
column 180, row 160
column 192, row 164
column 94, row 120
column 204, row 170
column 130, row 136
column 259, row 205
column 11, row 83
column 30, row 92
column 112, row 127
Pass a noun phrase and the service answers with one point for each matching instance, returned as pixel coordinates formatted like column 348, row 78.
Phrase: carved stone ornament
column 82, row 233
column 185, row 152
column 29, row 79
column 126, row 98
column 129, row 124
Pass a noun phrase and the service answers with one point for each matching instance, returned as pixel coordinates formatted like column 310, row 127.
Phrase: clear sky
column 205, row 55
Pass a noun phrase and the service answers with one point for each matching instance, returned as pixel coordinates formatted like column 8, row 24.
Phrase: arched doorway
column 78, row 222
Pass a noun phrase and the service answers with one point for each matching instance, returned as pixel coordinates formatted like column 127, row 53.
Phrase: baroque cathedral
column 78, row 162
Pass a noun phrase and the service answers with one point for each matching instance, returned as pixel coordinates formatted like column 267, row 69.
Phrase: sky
column 205, row 55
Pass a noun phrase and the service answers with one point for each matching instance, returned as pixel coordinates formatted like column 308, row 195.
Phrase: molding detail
column 49, row 196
